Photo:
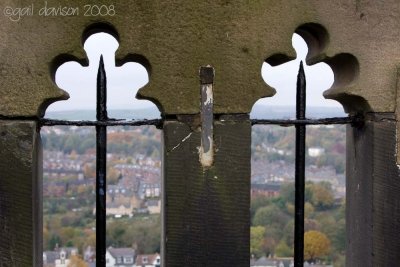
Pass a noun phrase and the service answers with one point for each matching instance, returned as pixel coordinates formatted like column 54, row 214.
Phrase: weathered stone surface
column 20, row 195
column 368, row 30
column 373, row 189
column 235, row 37
column 206, row 210
column 359, row 198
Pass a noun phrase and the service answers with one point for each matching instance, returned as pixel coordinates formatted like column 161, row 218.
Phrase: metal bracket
column 206, row 151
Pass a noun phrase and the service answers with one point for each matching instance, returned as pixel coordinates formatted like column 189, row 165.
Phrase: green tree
column 270, row 215
column 288, row 233
column 339, row 238
column 115, row 233
column 143, row 232
column 257, row 240
column 308, row 209
column 54, row 241
column 311, row 224
column 283, row 250
column 327, row 222
column 287, row 192
column 258, row 202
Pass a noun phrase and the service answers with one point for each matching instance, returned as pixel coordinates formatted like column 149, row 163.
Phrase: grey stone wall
column 172, row 39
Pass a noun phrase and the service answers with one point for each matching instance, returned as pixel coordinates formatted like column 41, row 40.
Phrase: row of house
column 265, row 190
column 60, row 257
column 124, row 201
column 136, row 193
column 125, row 257
column 115, row 257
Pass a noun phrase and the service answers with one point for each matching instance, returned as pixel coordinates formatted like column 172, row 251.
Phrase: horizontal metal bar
column 323, row 121
column 355, row 120
column 110, row 122
column 18, row 118
column 159, row 122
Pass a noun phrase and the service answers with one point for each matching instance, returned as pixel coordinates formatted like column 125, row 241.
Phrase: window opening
column 103, row 121
column 123, row 81
column 102, row 157
column 134, row 188
column 282, row 105
column 68, row 190
column 150, row 201
column 271, row 206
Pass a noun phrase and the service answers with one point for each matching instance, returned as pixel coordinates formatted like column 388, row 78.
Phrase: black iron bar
column 322, row 121
column 300, row 169
column 18, row 118
column 352, row 119
column 101, row 164
column 159, row 122
column 50, row 122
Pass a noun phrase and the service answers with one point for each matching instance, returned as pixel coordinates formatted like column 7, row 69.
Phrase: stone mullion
column 206, row 210
column 373, row 205
column 20, row 194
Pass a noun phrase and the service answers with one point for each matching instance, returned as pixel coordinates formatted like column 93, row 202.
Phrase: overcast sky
column 123, row 82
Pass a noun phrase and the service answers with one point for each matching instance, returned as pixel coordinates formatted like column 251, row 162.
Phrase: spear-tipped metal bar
column 300, row 169
column 101, row 164
column 101, row 108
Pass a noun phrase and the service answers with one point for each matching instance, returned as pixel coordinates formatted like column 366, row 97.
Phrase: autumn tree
column 89, row 170
column 113, row 175
column 269, row 245
column 46, row 237
column 76, row 261
column 320, row 195
column 316, row 245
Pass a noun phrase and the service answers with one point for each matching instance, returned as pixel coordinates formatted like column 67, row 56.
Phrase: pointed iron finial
column 301, row 93
column 101, row 110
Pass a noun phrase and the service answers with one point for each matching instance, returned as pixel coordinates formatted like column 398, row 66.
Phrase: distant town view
column 272, row 196
column 134, row 196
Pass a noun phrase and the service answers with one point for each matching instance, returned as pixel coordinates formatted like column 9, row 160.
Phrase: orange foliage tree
column 76, row 261
column 316, row 245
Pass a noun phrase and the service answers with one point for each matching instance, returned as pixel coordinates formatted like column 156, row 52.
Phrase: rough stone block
column 20, row 195
column 206, row 210
column 373, row 189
